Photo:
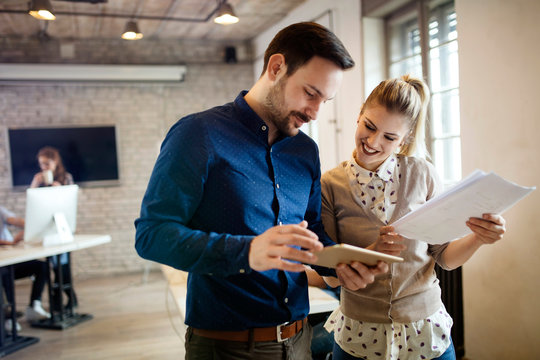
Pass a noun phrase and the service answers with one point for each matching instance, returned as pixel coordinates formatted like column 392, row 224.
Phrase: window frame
column 422, row 10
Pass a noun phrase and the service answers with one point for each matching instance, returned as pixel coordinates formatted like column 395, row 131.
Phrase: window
column 437, row 62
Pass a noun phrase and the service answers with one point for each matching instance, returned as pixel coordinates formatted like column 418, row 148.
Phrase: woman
column 50, row 163
column 53, row 173
column 400, row 315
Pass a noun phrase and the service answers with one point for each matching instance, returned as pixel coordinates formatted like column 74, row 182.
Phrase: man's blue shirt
column 216, row 184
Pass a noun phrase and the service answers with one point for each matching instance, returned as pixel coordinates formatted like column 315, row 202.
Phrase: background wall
column 142, row 114
column 499, row 55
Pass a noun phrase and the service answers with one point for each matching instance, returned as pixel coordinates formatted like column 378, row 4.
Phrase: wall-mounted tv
column 88, row 153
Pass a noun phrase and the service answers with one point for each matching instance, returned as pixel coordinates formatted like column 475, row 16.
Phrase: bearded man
column 234, row 199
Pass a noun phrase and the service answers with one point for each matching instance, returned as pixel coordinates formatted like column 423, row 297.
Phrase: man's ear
column 276, row 66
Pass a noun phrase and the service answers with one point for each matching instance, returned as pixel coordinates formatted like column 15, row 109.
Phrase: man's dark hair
column 299, row 42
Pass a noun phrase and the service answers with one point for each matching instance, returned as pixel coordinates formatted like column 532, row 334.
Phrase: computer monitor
column 51, row 214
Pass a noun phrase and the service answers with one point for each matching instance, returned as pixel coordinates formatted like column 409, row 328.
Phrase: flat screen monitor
column 89, row 153
column 41, row 206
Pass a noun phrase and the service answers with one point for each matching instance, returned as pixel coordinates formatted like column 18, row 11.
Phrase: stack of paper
column 443, row 218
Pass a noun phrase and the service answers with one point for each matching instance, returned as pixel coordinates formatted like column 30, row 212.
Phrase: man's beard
column 274, row 107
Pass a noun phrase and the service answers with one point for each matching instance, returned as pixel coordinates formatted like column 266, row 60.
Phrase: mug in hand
column 48, row 177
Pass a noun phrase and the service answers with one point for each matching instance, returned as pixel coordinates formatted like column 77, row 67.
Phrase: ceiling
column 157, row 19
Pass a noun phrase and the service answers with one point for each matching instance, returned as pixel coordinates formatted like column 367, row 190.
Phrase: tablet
column 331, row 256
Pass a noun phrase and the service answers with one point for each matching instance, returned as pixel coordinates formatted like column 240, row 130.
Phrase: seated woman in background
column 52, row 171
column 401, row 314
column 39, row 270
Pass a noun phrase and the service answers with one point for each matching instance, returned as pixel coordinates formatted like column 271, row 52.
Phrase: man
column 234, row 199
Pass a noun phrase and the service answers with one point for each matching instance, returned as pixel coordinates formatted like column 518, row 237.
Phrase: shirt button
column 286, row 300
column 242, row 271
column 263, row 128
column 277, row 185
column 280, row 223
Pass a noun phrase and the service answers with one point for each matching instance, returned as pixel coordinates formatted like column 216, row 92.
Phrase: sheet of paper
column 443, row 218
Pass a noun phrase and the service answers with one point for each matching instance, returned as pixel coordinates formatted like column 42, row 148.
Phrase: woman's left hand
column 488, row 229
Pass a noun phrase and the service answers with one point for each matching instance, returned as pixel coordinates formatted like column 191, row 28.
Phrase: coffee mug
column 48, row 177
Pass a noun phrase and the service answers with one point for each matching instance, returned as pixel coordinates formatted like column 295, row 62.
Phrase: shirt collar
column 249, row 118
column 364, row 176
column 387, row 168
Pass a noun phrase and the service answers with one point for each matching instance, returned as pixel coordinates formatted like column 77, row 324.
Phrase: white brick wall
column 142, row 114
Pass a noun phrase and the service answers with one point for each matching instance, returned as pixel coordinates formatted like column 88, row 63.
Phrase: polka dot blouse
column 376, row 192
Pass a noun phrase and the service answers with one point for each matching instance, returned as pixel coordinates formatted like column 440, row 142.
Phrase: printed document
column 443, row 218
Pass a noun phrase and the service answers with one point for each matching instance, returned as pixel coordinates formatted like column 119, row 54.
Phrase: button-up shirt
column 216, row 184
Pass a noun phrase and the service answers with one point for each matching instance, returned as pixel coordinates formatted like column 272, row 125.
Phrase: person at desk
column 52, row 168
column 401, row 314
column 235, row 192
column 53, row 173
column 39, row 270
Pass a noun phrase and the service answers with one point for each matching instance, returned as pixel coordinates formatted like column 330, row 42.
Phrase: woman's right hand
column 37, row 180
column 388, row 242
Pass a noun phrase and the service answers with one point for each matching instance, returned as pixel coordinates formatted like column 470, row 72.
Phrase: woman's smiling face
column 378, row 135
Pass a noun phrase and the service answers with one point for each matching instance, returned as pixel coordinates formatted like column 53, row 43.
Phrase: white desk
column 22, row 252
column 320, row 301
column 19, row 253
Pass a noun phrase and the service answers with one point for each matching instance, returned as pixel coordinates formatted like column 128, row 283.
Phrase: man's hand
column 273, row 248
column 357, row 275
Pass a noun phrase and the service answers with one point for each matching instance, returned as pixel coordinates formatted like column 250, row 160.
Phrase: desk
column 10, row 255
column 22, row 252
column 319, row 300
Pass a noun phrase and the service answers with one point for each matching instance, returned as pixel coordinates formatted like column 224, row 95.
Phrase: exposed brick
column 142, row 114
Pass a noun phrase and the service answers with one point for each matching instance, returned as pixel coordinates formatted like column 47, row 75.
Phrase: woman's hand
column 388, row 242
column 488, row 229
column 37, row 180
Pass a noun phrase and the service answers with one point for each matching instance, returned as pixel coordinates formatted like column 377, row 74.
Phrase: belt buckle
column 279, row 339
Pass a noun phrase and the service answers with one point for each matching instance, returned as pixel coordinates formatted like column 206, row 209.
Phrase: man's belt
column 275, row 333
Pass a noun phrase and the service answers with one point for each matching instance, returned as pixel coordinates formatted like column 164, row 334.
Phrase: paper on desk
column 443, row 218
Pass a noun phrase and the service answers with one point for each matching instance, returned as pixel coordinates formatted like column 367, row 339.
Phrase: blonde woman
column 400, row 315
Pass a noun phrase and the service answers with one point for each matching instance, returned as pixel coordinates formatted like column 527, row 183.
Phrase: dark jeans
column 38, row 269
column 295, row 348
column 338, row 354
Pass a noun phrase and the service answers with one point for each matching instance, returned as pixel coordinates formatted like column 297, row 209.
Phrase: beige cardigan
column 410, row 290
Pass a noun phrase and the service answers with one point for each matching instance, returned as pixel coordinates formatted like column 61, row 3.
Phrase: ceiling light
column 41, row 9
column 132, row 31
column 226, row 15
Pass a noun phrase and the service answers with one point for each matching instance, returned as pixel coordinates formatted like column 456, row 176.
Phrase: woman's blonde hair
column 408, row 96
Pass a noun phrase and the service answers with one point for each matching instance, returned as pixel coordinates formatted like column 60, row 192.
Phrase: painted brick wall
column 142, row 114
